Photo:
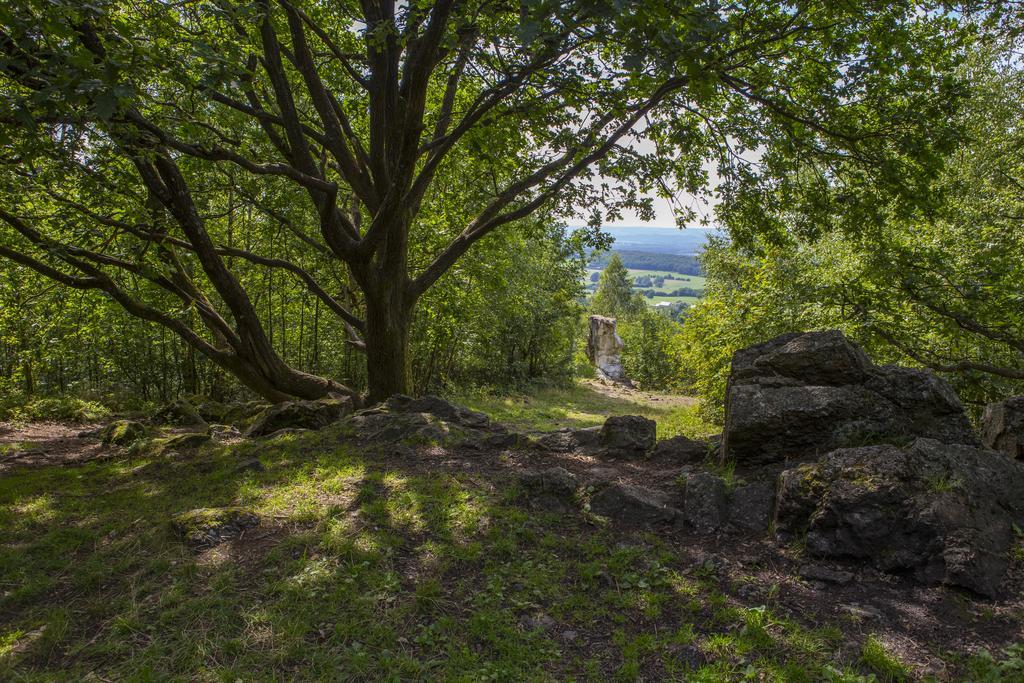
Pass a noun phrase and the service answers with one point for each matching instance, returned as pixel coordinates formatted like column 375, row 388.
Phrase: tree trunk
column 388, row 319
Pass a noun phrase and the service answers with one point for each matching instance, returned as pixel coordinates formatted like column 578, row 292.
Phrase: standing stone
column 705, row 507
column 1002, row 427
column 604, row 348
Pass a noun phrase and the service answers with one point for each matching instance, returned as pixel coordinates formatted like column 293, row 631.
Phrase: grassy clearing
column 371, row 571
column 587, row 404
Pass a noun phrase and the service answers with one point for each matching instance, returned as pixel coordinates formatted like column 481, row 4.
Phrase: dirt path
column 654, row 398
column 42, row 444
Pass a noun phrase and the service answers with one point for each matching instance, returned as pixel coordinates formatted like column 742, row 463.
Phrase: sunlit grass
column 581, row 405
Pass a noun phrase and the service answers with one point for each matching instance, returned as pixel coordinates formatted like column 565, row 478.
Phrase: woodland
column 297, row 368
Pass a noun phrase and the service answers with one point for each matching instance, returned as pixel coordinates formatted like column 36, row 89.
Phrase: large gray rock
column 1002, row 426
column 751, row 505
column 681, row 450
column 627, row 436
column 568, row 440
column 604, row 349
column 943, row 512
column 438, row 407
column 802, row 395
column 300, row 414
column 706, row 506
column 553, row 489
column 633, row 505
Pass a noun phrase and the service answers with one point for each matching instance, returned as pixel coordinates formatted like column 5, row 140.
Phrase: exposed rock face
column 633, row 505
column 802, row 395
column 751, row 506
column 1002, row 426
column 627, row 436
column 706, row 503
column 604, row 348
column 553, row 489
column 680, row 450
column 438, row 407
column 568, row 439
column 429, row 418
column 300, row 414
column 944, row 512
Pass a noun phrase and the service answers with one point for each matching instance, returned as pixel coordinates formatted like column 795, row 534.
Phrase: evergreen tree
column 614, row 296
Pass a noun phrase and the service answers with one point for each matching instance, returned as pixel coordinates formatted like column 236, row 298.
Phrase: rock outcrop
column 802, row 395
column 1002, row 426
column 430, row 419
column 300, row 414
column 943, row 512
column 604, row 348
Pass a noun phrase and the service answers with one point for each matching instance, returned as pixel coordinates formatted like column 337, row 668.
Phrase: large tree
column 135, row 134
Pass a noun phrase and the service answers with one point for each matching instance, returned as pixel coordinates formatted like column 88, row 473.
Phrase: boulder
column 681, row 450
column 553, row 489
column 1002, row 426
column 627, row 436
column 751, row 506
column 438, row 407
column 383, row 426
column 942, row 512
column 604, row 348
column 206, row 527
column 568, row 440
column 633, row 505
column 179, row 412
column 123, row 432
column 803, row 395
column 706, row 504
column 823, row 574
column 300, row 414
column 184, row 442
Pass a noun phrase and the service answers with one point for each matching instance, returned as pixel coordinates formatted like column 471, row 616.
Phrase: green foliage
column 649, row 354
column 984, row 668
column 615, row 296
column 61, row 408
column 939, row 289
column 878, row 658
column 506, row 315
column 323, row 586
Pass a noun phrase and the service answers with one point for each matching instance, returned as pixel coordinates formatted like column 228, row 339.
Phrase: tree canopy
column 172, row 157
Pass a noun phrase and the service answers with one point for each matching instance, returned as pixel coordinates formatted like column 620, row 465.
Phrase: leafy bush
column 648, row 357
column 57, row 409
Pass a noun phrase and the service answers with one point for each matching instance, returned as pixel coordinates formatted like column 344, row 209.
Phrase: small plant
column 877, row 657
column 944, row 483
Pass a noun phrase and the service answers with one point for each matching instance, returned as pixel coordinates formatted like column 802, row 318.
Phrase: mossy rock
column 179, row 412
column 184, row 442
column 123, row 433
column 206, row 527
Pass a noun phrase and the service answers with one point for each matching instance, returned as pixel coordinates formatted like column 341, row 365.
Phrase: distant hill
column 668, row 249
column 690, row 241
column 685, row 264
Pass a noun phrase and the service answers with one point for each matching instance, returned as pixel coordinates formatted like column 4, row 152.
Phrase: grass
column 884, row 664
column 581, row 404
column 372, row 571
